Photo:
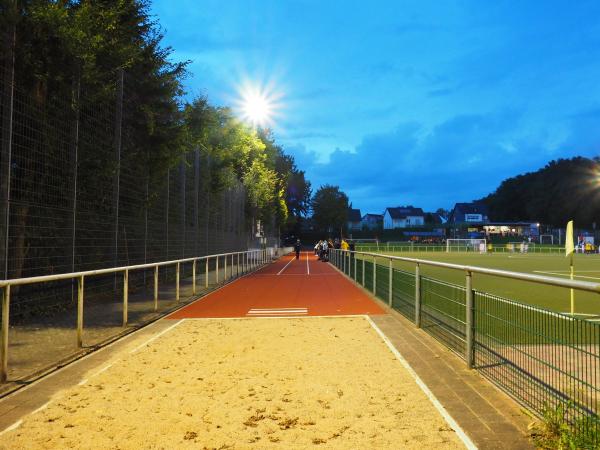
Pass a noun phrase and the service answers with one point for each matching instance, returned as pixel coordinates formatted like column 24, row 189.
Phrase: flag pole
column 572, row 290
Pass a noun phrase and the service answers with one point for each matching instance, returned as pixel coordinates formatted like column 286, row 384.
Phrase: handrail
column 87, row 273
column 541, row 279
column 250, row 259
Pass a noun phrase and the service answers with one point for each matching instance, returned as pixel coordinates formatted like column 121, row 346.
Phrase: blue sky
column 405, row 102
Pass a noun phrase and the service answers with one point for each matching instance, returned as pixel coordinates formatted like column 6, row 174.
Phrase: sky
column 423, row 103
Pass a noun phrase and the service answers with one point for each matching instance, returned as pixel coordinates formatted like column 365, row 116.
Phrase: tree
column 564, row 189
column 330, row 208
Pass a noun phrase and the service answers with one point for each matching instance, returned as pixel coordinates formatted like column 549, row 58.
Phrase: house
column 354, row 219
column 403, row 217
column 372, row 221
column 474, row 212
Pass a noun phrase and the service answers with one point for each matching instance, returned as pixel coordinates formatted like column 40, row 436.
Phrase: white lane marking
column 568, row 275
column 278, row 309
column 82, row 382
column 436, row 403
column 262, row 312
column 307, row 267
column 15, row 425
column 156, row 336
column 285, row 267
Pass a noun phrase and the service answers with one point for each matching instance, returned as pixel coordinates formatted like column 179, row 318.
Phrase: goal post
column 466, row 245
column 547, row 239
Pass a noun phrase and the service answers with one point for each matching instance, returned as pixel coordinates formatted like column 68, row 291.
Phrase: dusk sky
column 404, row 102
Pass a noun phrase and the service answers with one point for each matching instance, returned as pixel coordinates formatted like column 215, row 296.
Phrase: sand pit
column 246, row 383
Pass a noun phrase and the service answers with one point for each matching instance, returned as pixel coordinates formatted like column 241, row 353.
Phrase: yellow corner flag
column 569, row 250
column 569, row 245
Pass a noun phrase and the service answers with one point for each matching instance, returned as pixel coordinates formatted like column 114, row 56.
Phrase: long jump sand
column 245, row 383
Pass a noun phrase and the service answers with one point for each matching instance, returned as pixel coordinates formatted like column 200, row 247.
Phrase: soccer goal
column 466, row 245
column 546, row 239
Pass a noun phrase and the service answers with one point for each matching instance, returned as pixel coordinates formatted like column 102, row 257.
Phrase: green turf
column 587, row 268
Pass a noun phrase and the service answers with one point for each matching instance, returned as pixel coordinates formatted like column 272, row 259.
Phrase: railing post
column 363, row 271
column 125, row 296
column 344, row 262
column 194, row 277
column 4, row 336
column 469, row 322
column 206, row 274
column 355, row 263
column 80, row 312
column 375, row 276
column 155, row 288
column 390, row 286
column 177, row 282
column 217, row 271
column 225, row 268
column 418, row 296
column 237, row 271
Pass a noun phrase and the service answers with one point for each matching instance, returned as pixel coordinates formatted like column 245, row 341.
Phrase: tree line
column 563, row 190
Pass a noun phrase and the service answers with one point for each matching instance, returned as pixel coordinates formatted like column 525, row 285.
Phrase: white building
column 403, row 217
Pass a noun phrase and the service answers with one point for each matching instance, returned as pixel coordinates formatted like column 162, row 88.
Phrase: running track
column 287, row 287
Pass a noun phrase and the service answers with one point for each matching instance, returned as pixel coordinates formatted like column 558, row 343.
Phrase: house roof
column 354, row 215
column 402, row 212
column 471, row 208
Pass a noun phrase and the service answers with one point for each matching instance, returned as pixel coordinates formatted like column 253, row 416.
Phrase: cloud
column 461, row 159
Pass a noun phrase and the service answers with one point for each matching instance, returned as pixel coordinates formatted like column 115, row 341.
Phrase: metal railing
column 543, row 359
column 243, row 262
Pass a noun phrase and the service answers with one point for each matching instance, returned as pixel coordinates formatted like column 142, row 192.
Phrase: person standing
column 297, row 247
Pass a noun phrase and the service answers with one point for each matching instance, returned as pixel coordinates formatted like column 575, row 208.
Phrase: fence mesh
column 83, row 193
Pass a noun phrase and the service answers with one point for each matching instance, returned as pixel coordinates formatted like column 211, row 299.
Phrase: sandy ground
column 245, row 383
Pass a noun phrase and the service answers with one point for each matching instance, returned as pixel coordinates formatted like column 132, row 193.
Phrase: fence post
column 363, row 271
column 225, row 268
column 155, row 288
column 375, row 276
column 469, row 322
column 117, row 176
column 355, row 263
column 206, row 274
column 177, row 282
column 418, row 296
column 4, row 336
column 237, row 270
column 194, row 277
column 390, row 286
column 7, row 114
column 80, row 312
column 217, row 271
column 125, row 296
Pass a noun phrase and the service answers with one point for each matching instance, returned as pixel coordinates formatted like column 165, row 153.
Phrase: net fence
column 82, row 190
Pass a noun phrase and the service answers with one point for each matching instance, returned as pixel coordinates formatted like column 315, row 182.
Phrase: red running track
column 287, row 287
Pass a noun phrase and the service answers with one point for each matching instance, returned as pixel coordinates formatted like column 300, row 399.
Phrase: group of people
column 323, row 246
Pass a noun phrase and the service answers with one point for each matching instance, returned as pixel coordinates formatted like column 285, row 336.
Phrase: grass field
column 587, row 268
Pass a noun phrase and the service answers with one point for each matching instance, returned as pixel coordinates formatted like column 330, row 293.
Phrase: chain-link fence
column 81, row 193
